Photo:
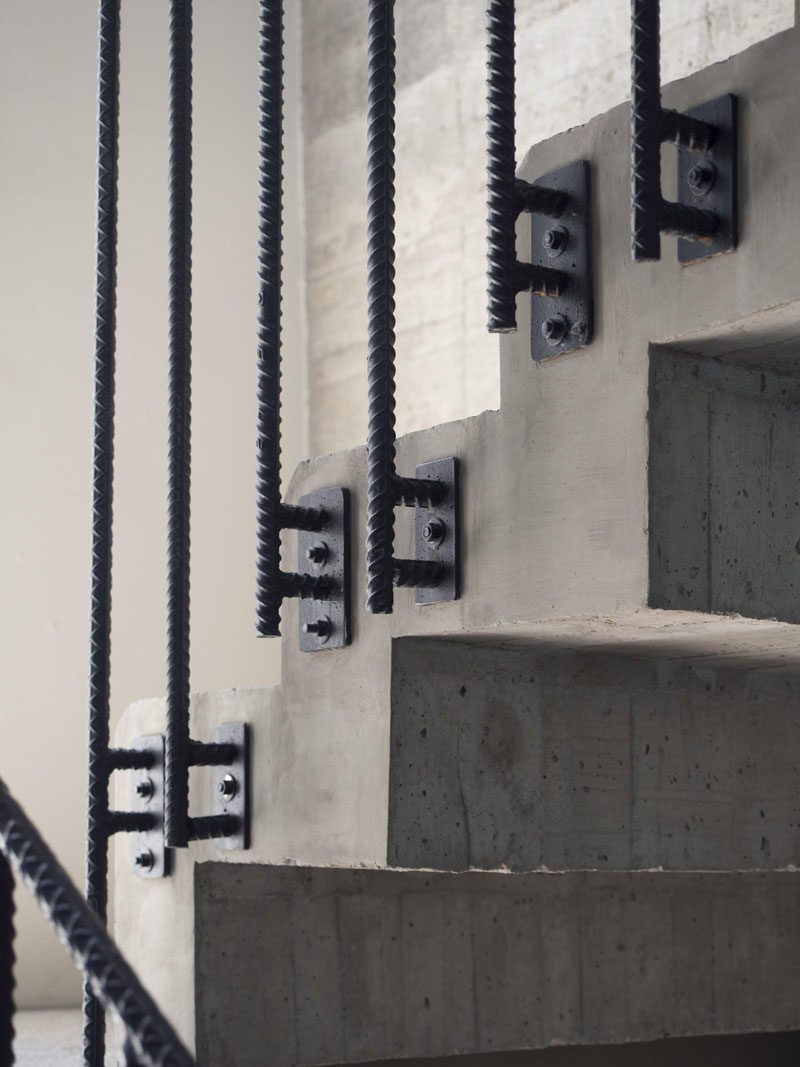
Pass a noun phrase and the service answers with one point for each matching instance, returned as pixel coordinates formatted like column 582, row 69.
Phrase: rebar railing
column 385, row 489
column 180, row 751
column 651, row 124
column 114, row 984
column 508, row 196
column 273, row 584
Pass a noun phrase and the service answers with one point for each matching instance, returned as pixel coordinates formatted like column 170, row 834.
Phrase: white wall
column 47, row 132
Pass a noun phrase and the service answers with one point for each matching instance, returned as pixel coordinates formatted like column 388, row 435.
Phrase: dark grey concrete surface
column 548, row 756
column 724, row 474
column 307, row 966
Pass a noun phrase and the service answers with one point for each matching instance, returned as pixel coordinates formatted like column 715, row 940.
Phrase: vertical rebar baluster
column 102, row 500
column 176, row 758
column 646, row 131
column 6, row 962
column 380, row 309
column 501, row 195
column 268, row 524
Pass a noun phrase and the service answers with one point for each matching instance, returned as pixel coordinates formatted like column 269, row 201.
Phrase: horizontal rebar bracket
column 150, row 858
column 436, row 533
column 707, row 133
column 563, row 321
column 709, row 181
column 232, row 786
column 323, row 556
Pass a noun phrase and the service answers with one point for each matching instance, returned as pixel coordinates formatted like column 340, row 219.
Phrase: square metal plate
column 335, row 538
column 150, row 858
column 572, row 256
column 235, row 777
column 446, row 550
column 721, row 198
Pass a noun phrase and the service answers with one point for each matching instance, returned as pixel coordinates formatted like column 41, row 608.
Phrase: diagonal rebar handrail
column 113, row 981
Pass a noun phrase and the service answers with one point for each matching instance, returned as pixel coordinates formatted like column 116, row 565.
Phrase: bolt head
column 701, row 178
column 555, row 241
column 228, row 787
column 322, row 627
column 434, row 531
column 317, row 553
column 145, row 788
column 555, row 329
column 145, row 860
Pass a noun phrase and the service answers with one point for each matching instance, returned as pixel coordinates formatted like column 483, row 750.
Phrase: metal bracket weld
column 151, row 859
column 324, row 553
column 563, row 322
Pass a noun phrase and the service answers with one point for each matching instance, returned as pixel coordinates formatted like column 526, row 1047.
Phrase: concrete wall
column 46, row 276
column 572, row 63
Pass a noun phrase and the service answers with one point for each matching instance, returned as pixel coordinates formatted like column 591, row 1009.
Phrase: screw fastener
column 555, row 241
column 701, row 178
column 555, row 330
column 321, row 627
column 433, row 531
column 145, row 788
column 317, row 553
column 145, row 860
column 228, row 787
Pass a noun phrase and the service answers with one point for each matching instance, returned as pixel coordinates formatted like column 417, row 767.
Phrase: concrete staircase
column 562, row 810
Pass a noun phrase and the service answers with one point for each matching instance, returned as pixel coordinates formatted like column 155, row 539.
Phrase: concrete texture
column 327, row 966
column 724, row 477
column 556, row 549
column 447, row 363
column 557, row 757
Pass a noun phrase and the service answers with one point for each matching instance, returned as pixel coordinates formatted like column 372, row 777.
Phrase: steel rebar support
column 128, row 759
column 293, row 517
column 176, row 739
column 270, row 168
column 305, row 586
column 113, row 980
column 417, row 492
column 102, row 498
column 416, row 572
column 380, row 305
column 7, row 960
column 211, row 754
column 130, row 822
column 502, row 193
column 646, row 130
column 207, row 827
column 686, row 132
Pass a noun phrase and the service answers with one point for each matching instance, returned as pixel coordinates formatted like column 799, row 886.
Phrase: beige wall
column 572, row 63
column 47, row 111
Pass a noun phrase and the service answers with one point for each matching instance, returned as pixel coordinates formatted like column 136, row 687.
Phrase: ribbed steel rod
column 270, row 177
column 114, row 982
column 502, row 194
column 7, row 959
column 380, row 305
column 176, row 748
column 102, row 491
column 646, row 130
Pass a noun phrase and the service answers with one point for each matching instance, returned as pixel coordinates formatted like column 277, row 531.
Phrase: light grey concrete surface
column 572, row 63
column 48, row 1038
column 334, row 966
column 556, row 547
column 725, row 482
column 547, row 755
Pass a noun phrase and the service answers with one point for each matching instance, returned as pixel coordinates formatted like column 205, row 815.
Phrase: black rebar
column 306, row 586
column 270, row 175
column 176, row 741
column 646, row 130
column 102, row 499
column 206, row 827
column 687, row 132
column 502, row 192
column 417, row 492
column 128, row 759
column 380, row 305
column 130, row 822
column 293, row 517
column 212, row 754
column 417, row 572
column 683, row 220
column 7, row 959
column 113, row 980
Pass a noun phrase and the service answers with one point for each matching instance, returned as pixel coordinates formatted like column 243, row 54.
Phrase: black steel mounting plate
column 447, row 550
column 722, row 196
column 572, row 255
column 150, row 858
column 235, row 800
column 335, row 537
